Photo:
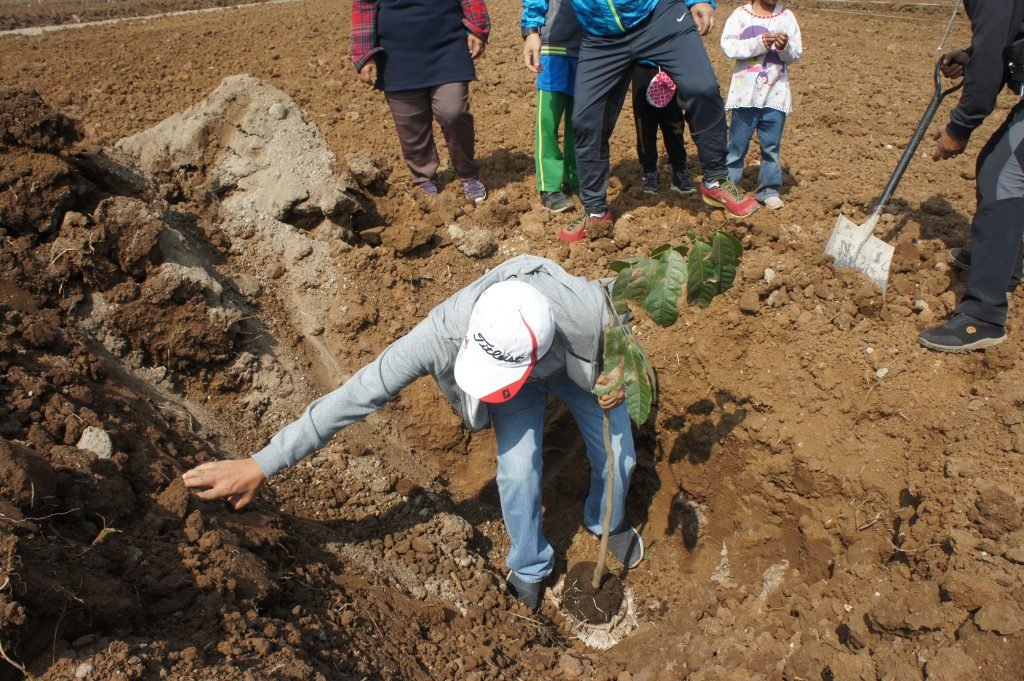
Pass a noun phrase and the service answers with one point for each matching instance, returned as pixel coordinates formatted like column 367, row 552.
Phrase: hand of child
column 476, row 46
column 368, row 74
column 781, row 40
column 531, row 52
column 768, row 39
column 704, row 16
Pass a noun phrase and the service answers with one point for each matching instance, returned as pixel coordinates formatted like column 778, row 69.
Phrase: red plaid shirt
column 364, row 26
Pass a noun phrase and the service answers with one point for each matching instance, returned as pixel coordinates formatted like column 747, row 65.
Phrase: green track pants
column 555, row 167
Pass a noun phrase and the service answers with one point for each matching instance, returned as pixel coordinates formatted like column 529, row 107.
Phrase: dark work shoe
column 627, row 546
column 649, row 182
column 556, row 202
column 681, row 183
column 528, row 593
column 962, row 334
column 960, row 258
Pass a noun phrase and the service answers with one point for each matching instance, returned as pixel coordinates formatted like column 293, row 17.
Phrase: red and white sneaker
column 725, row 194
column 577, row 229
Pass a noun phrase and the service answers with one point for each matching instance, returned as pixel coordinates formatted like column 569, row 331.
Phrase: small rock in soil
column 97, row 441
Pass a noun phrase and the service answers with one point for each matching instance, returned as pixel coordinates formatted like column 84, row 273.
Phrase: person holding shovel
column 994, row 60
column 496, row 349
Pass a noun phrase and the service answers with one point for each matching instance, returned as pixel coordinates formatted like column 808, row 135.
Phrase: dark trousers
column 413, row 111
column 998, row 225
column 648, row 119
column 669, row 39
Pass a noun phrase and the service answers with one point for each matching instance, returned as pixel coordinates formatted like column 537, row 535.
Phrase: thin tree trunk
column 609, row 488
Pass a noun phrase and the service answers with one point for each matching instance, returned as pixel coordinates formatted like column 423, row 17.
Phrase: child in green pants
column 552, row 38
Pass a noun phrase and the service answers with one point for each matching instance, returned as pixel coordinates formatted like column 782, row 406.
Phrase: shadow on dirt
column 705, row 424
column 936, row 218
column 501, row 168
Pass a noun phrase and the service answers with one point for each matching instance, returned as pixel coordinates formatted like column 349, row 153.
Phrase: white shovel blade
column 854, row 246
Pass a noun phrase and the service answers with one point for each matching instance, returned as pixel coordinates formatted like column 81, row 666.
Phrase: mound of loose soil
column 821, row 497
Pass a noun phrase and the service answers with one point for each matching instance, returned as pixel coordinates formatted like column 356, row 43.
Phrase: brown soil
column 587, row 604
column 15, row 14
column 821, row 498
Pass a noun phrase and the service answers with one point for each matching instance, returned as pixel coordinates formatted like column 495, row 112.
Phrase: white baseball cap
column 511, row 327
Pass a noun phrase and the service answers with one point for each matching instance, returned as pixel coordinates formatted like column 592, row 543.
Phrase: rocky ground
column 190, row 254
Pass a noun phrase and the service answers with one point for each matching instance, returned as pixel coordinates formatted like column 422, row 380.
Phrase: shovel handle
column 915, row 141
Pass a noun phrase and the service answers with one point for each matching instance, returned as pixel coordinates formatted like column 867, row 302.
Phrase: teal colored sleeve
column 534, row 12
column 691, row 3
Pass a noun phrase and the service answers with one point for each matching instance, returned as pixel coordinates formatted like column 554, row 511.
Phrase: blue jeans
column 769, row 124
column 519, row 428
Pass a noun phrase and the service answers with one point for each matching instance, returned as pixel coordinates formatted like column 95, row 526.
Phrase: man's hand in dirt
column 781, row 40
column 476, row 46
column 953, row 64
column 947, row 146
column 237, row 481
column 368, row 74
column 704, row 16
column 531, row 52
column 614, row 398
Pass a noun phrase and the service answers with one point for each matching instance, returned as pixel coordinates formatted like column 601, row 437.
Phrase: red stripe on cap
column 509, row 391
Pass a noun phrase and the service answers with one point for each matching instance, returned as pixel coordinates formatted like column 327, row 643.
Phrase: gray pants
column 998, row 225
column 668, row 38
column 413, row 111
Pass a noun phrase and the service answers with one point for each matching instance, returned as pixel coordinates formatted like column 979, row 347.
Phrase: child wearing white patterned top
column 764, row 39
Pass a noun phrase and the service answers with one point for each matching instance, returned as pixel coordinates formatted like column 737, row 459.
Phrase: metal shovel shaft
column 915, row 141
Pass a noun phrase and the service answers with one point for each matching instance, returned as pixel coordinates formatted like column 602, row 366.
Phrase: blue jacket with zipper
column 599, row 17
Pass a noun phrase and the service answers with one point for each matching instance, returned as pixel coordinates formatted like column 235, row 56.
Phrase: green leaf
column 640, row 386
column 711, row 268
column 619, row 265
column 726, row 250
column 679, row 248
column 615, row 344
column 620, row 301
column 668, row 273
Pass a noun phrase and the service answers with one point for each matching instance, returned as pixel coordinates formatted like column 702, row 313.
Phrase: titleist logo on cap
column 494, row 352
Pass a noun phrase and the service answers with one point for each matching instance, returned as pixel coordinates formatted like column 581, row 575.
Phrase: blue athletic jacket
column 599, row 17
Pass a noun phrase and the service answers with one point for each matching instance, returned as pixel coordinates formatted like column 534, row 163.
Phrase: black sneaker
column 556, row 202
column 682, row 184
column 528, row 593
column 627, row 546
column 960, row 258
column 649, row 182
column 962, row 334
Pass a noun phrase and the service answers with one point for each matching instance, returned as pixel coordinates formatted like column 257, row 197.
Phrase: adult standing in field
column 420, row 53
column 995, row 59
column 616, row 36
column 496, row 348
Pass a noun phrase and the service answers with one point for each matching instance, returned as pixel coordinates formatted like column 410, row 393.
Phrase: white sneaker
column 773, row 202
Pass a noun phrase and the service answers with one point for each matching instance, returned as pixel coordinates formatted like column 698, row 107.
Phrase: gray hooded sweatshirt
column 578, row 307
